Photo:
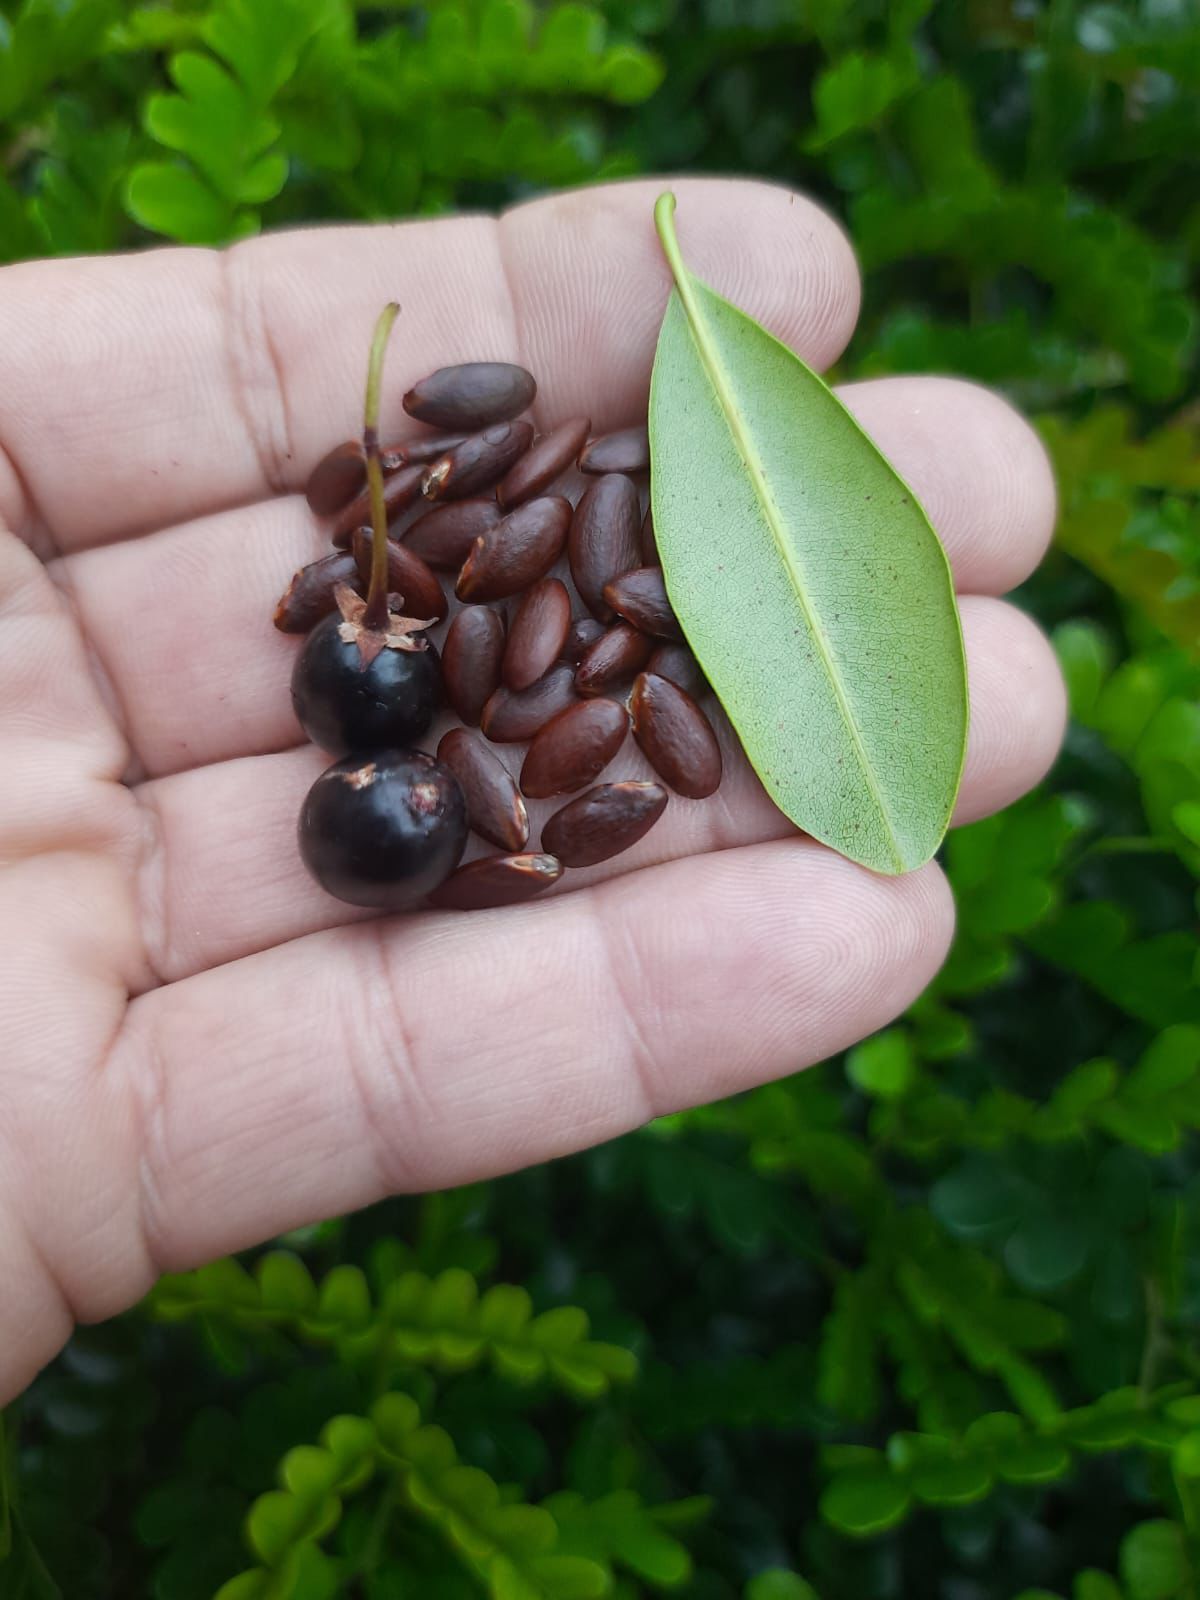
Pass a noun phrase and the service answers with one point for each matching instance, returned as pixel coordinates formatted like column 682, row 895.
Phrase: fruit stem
column 376, row 614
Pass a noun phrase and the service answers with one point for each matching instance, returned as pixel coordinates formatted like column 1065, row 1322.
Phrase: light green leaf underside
column 810, row 585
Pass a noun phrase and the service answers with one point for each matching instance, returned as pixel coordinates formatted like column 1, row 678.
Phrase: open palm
column 198, row 1048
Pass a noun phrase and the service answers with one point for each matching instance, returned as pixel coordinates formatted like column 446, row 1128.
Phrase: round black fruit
column 383, row 829
column 344, row 706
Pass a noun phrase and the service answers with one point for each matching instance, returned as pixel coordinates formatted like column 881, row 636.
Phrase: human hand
column 199, row 1048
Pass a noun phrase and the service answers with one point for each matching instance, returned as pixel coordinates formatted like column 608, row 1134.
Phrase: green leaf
column 172, row 200
column 808, row 581
column 865, row 1502
column 883, row 1065
column 1154, row 1564
column 777, row 1584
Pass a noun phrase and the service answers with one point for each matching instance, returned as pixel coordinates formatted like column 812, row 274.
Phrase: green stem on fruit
column 376, row 614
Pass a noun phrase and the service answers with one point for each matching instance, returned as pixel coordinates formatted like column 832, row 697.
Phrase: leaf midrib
column 713, row 370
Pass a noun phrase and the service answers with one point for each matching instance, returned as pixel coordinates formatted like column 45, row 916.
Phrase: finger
column 226, row 880
column 408, row 1054
column 200, row 379
column 202, row 674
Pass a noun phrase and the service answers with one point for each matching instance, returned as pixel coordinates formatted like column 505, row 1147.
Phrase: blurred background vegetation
column 921, row 1322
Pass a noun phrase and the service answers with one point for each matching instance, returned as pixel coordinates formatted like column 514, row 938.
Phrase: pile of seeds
column 562, row 640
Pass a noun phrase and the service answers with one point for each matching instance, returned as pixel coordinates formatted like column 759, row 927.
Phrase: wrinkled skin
column 200, row 1049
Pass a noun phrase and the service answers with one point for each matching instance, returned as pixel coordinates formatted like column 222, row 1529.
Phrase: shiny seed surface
column 548, row 458
column 337, row 477
column 617, row 655
column 676, row 662
column 445, row 536
column 520, row 549
column 471, row 395
column 411, row 578
column 574, row 748
column 310, row 595
column 537, row 633
column 481, row 460
column 627, row 450
column 603, row 822
column 510, row 718
column 584, row 631
column 496, row 881
column 675, row 736
column 400, row 491
column 640, row 597
column 604, row 539
column 495, row 809
column 471, row 657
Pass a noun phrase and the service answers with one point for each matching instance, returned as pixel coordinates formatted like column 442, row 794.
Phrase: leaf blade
column 851, row 703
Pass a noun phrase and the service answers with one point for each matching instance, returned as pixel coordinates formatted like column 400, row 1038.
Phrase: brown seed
column 336, row 478
column 640, row 597
column 510, row 718
column 444, row 536
column 625, row 451
column 537, row 633
column 547, row 458
column 496, row 881
column 519, row 550
column 675, row 736
column 427, row 448
column 676, row 662
column 650, row 553
column 471, row 659
column 408, row 576
column 309, row 596
column 619, row 653
column 584, row 631
column 342, row 472
column 574, row 748
column 495, row 809
column 471, row 395
column 400, row 491
column 603, row 822
column 603, row 541
column 478, row 462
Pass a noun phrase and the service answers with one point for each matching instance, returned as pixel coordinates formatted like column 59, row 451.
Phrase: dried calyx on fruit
column 561, row 639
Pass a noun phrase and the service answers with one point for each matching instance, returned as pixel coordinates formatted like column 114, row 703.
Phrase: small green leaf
column 883, row 1065
column 808, row 581
column 1154, row 1564
column 172, row 200
column 865, row 1502
column 776, row 1584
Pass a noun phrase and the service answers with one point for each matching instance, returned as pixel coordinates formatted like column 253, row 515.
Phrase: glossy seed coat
column 548, row 458
column 480, row 461
column 676, row 662
column 603, row 822
column 495, row 809
column 650, row 556
column 471, row 657
column 627, row 450
column 411, row 578
column 471, row 395
column 604, row 539
column 574, row 748
column 510, row 718
column 400, row 491
column 616, row 656
column 518, row 551
column 675, row 736
column 537, row 633
column 640, row 597
column 444, row 537
column 310, row 595
column 497, row 881
column 584, row 631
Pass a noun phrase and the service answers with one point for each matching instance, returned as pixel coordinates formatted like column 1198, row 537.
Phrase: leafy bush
column 921, row 1321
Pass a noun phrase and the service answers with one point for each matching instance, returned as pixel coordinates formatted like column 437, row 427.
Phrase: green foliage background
column 922, row 1321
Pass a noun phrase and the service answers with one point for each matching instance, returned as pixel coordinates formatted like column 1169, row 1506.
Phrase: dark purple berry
column 343, row 705
column 383, row 829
